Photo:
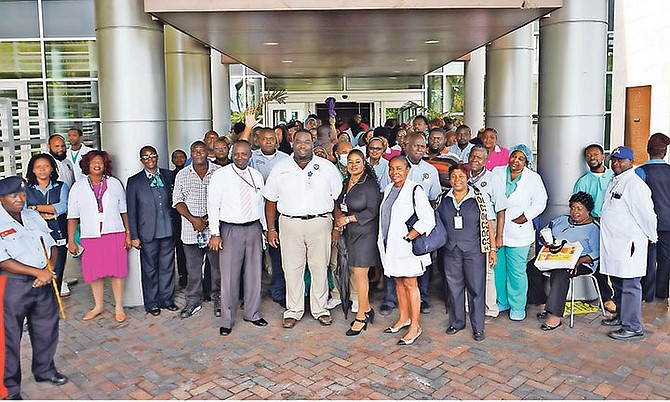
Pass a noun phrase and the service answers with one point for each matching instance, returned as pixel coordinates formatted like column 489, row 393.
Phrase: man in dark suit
column 149, row 196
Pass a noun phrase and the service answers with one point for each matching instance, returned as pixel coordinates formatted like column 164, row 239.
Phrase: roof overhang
column 363, row 38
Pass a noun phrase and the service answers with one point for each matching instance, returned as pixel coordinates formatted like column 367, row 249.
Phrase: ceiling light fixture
column 287, row 61
column 410, row 60
column 431, row 42
column 270, row 43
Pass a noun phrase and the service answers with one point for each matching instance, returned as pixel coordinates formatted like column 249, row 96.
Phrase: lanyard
column 74, row 156
column 252, row 184
column 98, row 195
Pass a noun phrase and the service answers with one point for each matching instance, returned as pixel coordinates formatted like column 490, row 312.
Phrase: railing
column 23, row 132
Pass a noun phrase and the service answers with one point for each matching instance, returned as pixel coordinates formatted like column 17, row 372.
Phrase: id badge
column 343, row 207
column 458, row 222
column 61, row 242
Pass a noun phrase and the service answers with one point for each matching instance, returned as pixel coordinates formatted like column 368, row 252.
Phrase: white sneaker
column 64, row 290
column 332, row 303
column 354, row 306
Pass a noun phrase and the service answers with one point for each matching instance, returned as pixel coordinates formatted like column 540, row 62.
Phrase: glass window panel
column 610, row 50
column 435, row 93
column 71, row 59
column 35, row 91
column 68, row 18
column 610, row 15
column 24, row 11
column 72, row 99
column 608, row 131
column 608, row 93
column 236, row 69
column 20, row 60
column 457, row 84
column 91, row 130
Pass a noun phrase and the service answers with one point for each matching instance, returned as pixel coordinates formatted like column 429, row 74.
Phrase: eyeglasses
column 147, row 157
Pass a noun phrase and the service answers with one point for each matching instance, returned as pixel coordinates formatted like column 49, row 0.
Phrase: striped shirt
column 190, row 189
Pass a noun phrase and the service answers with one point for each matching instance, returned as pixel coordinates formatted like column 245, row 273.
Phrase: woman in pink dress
column 98, row 203
column 498, row 156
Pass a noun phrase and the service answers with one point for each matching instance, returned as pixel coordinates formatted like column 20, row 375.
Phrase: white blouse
column 82, row 205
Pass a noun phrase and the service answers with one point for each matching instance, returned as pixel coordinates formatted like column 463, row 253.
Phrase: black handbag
column 426, row 243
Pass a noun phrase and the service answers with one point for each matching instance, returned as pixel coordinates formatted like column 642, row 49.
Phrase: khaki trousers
column 305, row 242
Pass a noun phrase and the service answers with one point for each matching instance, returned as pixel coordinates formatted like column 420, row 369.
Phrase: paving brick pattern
column 166, row 357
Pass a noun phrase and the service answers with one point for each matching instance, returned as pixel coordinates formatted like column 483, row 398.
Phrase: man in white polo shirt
column 303, row 189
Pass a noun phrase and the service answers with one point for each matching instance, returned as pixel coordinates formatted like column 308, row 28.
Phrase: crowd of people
column 328, row 198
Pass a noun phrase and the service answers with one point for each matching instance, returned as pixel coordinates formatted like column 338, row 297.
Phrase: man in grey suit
column 149, row 195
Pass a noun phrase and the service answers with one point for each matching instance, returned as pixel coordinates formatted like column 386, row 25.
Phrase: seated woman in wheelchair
column 580, row 227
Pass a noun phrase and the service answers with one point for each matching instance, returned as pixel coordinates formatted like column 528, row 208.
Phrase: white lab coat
column 397, row 257
column 529, row 198
column 627, row 224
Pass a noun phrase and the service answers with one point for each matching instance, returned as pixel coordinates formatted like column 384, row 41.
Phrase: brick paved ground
column 165, row 357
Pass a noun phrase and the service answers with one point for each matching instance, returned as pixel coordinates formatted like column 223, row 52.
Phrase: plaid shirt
column 192, row 191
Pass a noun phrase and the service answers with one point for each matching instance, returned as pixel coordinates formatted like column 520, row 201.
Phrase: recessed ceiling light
column 287, row 61
column 431, row 42
column 270, row 43
column 410, row 60
column 396, row 72
column 393, row 78
column 299, row 73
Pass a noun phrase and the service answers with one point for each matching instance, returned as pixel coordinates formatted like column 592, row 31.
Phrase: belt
column 307, row 217
column 241, row 224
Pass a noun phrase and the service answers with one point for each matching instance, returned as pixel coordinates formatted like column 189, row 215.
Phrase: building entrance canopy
column 363, row 38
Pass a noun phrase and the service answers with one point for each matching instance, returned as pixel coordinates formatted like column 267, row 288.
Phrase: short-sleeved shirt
column 499, row 157
column 464, row 153
column 264, row 163
column 21, row 242
column 493, row 191
column 427, row 177
column 382, row 172
column 190, row 189
column 309, row 191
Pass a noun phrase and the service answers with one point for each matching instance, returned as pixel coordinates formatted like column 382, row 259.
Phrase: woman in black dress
column 357, row 212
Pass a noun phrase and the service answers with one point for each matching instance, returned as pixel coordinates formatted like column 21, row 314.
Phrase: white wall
column 641, row 57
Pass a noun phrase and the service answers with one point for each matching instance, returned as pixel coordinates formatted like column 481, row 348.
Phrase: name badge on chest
column 458, row 222
column 343, row 207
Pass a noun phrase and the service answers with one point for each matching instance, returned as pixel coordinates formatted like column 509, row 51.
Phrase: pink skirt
column 104, row 256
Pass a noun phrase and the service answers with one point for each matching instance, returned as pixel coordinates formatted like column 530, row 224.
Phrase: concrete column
column 573, row 52
column 509, row 84
column 188, row 87
column 220, row 93
column 132, row 96
column 475, row 69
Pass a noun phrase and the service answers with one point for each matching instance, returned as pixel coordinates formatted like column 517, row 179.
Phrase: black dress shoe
column 547, row 327
column 223, row 331
column 172, row 307
column 624, row 334
column 56, row 379
column 15, row 397
column 155, row 311
column 259, row 322
column 478, row 336
column 543, row 315
column 453, row 330
column 425, row 307
column 385, row 310
column 611, row 322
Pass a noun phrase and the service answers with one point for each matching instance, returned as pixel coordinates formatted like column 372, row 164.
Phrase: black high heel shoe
column 370, row 315
column 351, row 332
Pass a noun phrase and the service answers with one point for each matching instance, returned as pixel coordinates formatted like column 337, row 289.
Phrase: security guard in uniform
column 26, row 292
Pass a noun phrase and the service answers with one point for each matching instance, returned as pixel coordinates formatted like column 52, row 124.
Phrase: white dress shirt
column 75, row 158
column 225, row 196
column 82, row 205
column 309, row 191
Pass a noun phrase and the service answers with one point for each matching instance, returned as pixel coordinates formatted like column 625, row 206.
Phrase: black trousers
column 536, row 294
column 38, row 306
column 655, row 282
column 559, row 280
column 157, row 260
column 465, row 272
